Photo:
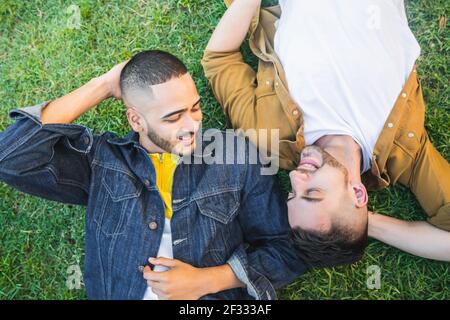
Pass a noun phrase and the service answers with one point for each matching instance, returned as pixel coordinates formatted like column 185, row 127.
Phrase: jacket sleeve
column 51, row 161
column 233, row 83
column 430, row 183
column 267, row 260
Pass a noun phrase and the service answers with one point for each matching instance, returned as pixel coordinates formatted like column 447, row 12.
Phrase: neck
column 345, row 150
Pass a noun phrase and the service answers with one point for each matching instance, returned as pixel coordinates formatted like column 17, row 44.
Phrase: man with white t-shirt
column 338, row 81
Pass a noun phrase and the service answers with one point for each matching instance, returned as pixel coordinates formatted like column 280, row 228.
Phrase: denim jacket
column 222, row 214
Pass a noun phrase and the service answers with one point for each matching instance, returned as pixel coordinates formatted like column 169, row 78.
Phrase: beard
column 159, row 141
column 167, row 145
column 332, row 162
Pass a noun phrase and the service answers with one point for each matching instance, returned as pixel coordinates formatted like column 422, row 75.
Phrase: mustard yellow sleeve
column 430, row 183
column 233, row 83
column 442, row 218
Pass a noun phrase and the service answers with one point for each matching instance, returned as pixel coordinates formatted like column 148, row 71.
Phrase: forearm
column 418, row 238
column 232, row 28
column 70, row 107
column 221, row 278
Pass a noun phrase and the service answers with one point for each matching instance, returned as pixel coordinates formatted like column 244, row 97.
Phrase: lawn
column 45, row 53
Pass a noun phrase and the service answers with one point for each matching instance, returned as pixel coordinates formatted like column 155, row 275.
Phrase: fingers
column 152, row 284
column 147, row 269
column 161, row 261
column 151, row 275
column 159, row 289
column 161, row 295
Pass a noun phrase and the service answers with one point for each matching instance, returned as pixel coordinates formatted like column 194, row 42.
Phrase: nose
column 299, row 181
column 299, row 175
column 190, row 124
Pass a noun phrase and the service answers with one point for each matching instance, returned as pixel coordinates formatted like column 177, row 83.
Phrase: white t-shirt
column 346, row 63
column 166, row 251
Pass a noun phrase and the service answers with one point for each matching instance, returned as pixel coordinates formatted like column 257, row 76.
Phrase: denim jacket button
column 147, row 183
column 86, row 140
column 141, row 268
column 153, row 225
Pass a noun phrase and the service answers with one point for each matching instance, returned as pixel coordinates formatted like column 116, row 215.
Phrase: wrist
column 375, row 227
column 102, row 87
column 209, row 284
column 220, row 278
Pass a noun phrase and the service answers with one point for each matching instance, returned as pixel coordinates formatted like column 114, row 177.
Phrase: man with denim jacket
column 228, row 233
column 339, row 83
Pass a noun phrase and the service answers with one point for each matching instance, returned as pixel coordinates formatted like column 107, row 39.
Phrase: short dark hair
column 337, row 247
column 149, row 68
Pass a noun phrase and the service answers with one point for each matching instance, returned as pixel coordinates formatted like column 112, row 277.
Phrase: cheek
column 305, row 218
column 197, row 122
column 293, row 213
column 168, row 131
column 297, row 183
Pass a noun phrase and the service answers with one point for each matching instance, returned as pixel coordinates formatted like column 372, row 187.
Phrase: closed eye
column 173, row 118
column 313, row 195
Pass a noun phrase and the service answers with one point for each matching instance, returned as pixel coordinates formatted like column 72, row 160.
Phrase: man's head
column 327, row 211
column 162, row 101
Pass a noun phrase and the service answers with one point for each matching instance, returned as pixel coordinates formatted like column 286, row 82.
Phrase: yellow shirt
column 165, row 165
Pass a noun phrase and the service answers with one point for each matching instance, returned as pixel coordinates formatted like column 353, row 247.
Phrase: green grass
column 40, row 59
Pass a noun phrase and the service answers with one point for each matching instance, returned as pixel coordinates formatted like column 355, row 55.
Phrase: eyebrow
column 180, row 111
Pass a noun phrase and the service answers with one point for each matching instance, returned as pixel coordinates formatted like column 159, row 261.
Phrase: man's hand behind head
column 112, row 79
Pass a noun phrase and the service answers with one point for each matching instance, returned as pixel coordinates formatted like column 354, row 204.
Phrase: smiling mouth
column 308, row 163
column 310, row 160
column 187, row 139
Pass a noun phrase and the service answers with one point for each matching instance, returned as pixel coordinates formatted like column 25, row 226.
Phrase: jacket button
column 295, row 112
column 147, row 183
column 276, row 84
column 153, row 225
column 411, row 135
column 86, row 140
column 141, row 269
column 404, row 95
column 267, row 83
column 390, row 125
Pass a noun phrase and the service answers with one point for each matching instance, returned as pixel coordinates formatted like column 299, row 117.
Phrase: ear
column 135, row 120
column 361, row 194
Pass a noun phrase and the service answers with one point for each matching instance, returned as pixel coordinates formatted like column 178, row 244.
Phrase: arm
column 34, row 155
column 185, row 282
column 232, row 81
column 232, row 28
column 419, row 238
column 71, row 106
column 267, row 260
column 430, row 183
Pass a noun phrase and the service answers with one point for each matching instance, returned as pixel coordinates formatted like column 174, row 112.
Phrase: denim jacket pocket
column 119, row 195
column 221, row 206
column 218, row 210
